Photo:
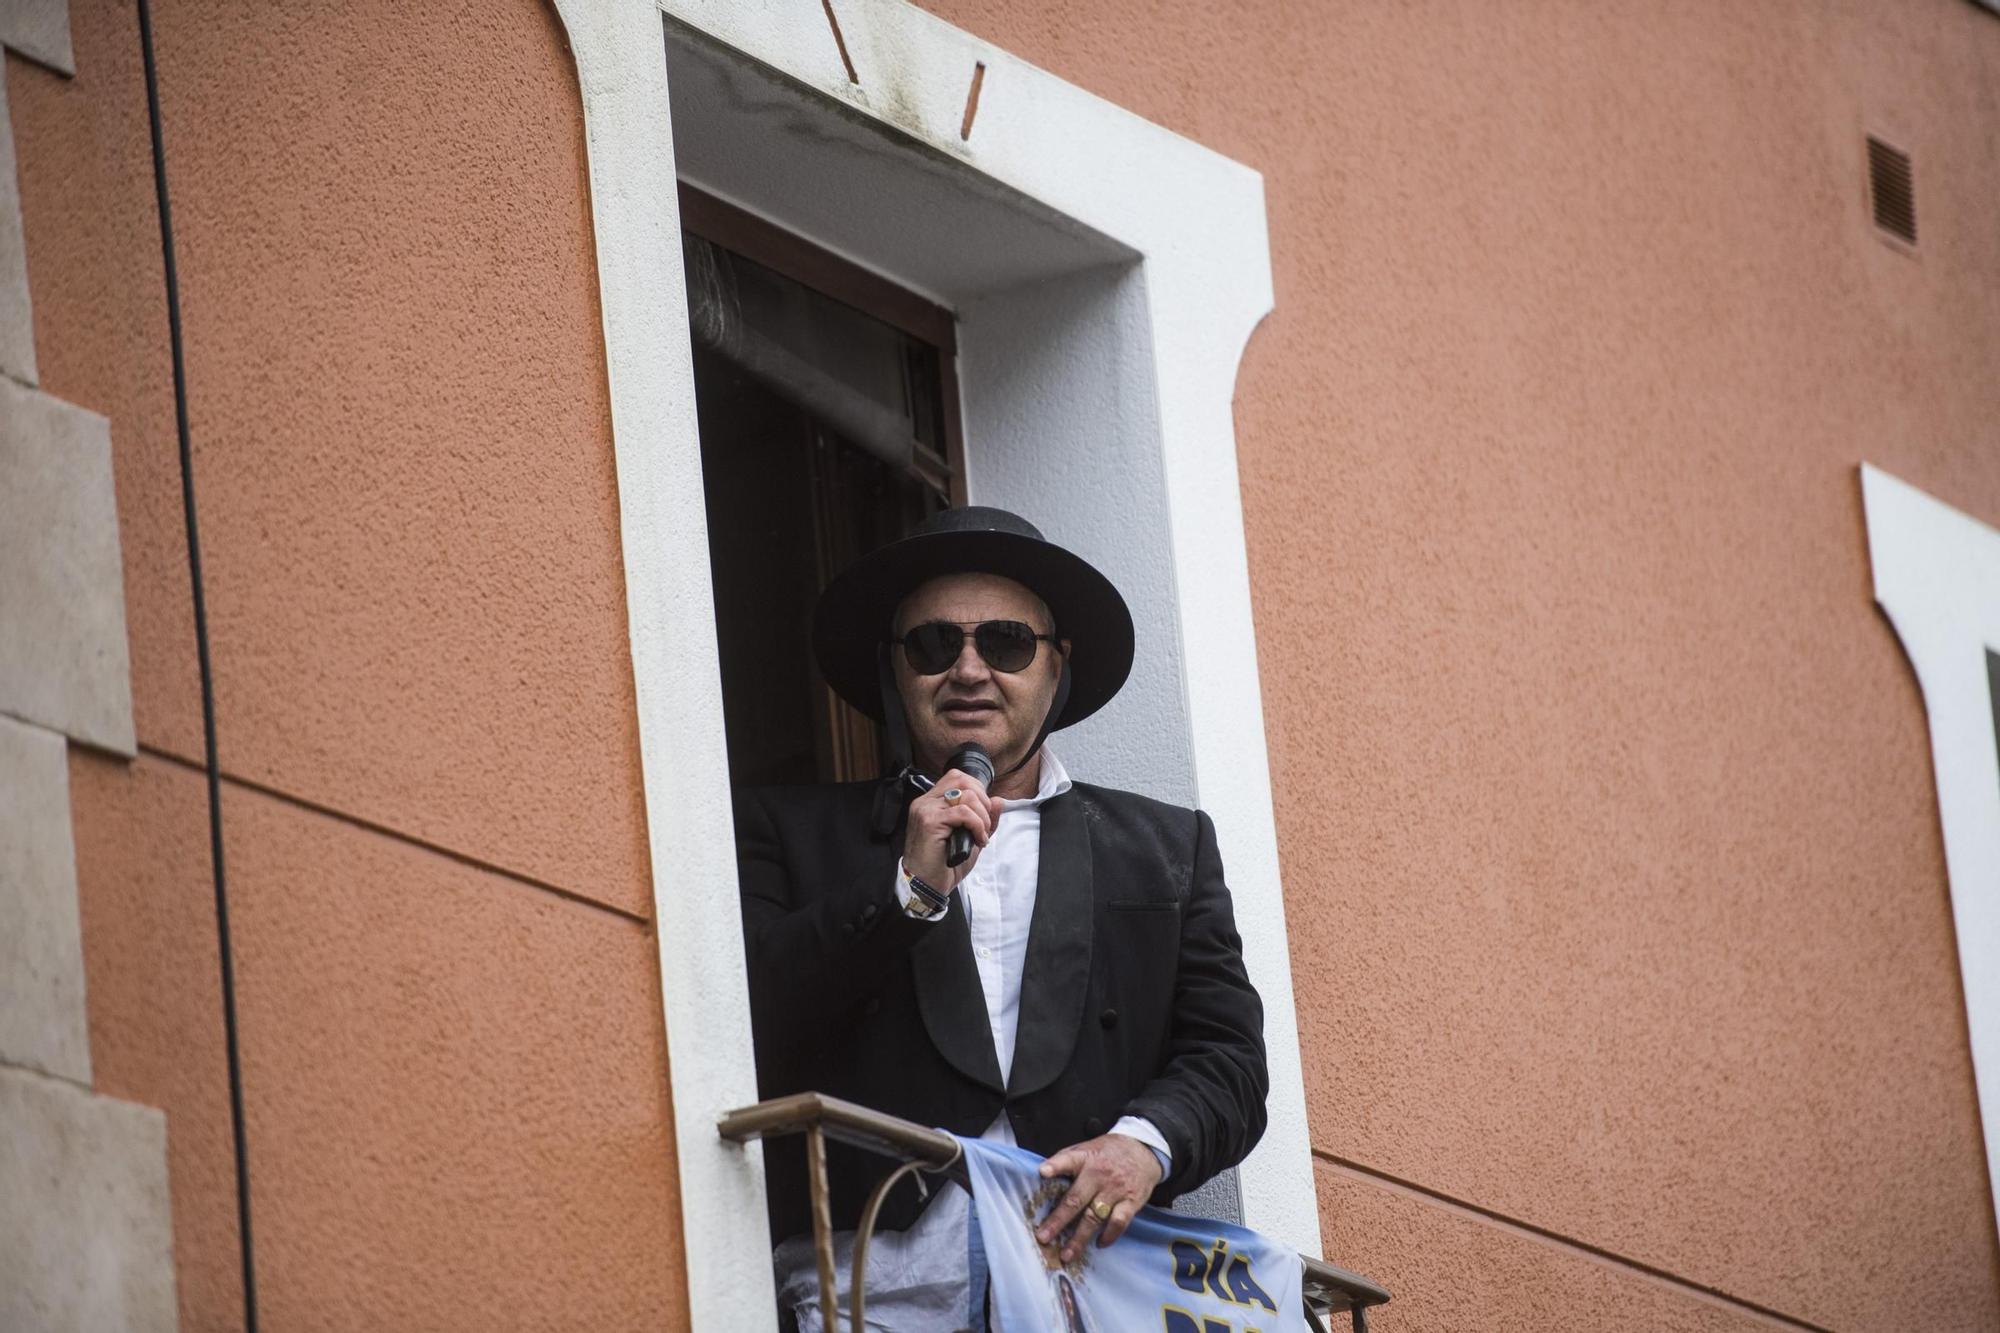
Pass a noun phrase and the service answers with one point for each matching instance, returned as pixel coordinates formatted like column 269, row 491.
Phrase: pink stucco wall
column 1618, row 912
column 454, row 1065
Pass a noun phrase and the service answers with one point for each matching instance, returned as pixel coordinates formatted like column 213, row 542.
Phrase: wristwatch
column 925, row 901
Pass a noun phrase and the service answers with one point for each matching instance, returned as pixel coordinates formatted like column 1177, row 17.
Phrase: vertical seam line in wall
column 212, row 766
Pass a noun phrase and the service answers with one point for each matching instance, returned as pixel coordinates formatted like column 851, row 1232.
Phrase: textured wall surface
column 460, row 1089
column 409, row 518
column 1476, row 1274
column 1618, row 909
column 448, row 989
column 156, row 1027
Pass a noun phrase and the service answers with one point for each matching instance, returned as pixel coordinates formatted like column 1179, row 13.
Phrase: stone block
column 86, row 1235
column 64, row 662
column 39, row 30
column 41, row 941
column 17, row 316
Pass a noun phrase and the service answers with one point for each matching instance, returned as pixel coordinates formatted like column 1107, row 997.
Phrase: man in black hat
column 1075, row 985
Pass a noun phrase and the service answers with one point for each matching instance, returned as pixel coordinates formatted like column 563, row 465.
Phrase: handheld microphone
column 973, row 761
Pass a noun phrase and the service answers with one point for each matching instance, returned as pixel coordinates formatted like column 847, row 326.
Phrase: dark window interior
column 1993, row 689
column 828, row 414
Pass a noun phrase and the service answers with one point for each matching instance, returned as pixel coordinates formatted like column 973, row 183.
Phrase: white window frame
column 1142, row 396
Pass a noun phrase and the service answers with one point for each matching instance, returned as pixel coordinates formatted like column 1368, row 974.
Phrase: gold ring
column 953, row 796
column 1100, row 1210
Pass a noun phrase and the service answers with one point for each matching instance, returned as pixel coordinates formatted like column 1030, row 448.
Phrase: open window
column 1105, row 275
column 828, row 402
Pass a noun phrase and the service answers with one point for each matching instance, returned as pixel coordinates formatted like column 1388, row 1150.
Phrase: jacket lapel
column 953, row 1005
column 1056, row 978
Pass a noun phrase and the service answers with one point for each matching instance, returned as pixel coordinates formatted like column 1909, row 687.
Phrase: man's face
column 970, row 701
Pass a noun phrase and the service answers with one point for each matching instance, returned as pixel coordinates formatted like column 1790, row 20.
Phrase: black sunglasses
column 1006, row 645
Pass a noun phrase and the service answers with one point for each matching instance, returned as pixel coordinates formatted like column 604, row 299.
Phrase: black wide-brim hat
column 855, row 614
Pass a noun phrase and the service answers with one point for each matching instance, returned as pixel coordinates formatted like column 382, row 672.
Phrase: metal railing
column 1328, row 1290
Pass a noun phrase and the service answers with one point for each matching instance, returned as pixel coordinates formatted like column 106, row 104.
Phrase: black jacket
column 1134, row 999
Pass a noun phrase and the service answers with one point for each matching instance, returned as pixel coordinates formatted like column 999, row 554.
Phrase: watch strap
column 926, row 900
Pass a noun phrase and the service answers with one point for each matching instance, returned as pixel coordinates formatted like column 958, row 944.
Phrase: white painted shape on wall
column 42, row 1020
column 86, row 1231
column 17, row 323
column 39, row 30
column 1937, row 578
column 64, row 662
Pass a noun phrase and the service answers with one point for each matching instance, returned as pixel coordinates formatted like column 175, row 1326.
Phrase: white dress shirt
column 998, row 899
column 916, row 1278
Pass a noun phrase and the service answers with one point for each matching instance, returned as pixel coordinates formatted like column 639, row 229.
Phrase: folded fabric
column 1168, row 1273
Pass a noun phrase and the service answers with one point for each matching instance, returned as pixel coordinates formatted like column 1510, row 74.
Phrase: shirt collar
column 1055, row 781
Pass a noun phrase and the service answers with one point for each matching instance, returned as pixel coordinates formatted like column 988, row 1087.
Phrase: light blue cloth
column 1167, row 1273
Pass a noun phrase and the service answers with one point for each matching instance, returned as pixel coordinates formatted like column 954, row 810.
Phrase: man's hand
column 1112, row 1177
column 932, row 818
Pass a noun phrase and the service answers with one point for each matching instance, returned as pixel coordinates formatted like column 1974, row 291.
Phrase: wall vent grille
column 1893, row 191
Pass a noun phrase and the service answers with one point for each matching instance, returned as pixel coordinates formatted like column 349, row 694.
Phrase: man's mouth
column 965, row 710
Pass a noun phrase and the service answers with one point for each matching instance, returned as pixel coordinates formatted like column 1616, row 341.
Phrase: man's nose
column 970, row 668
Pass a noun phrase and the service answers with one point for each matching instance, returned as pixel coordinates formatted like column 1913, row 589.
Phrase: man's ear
column 1064, row 645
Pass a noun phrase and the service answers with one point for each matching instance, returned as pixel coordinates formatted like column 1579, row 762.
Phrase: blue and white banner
column 1166, row 1274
